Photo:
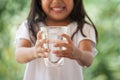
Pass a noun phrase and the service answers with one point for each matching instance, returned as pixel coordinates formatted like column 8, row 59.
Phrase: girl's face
column 57, row 10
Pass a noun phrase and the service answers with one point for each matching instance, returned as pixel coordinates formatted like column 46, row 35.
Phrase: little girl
column 79, row 49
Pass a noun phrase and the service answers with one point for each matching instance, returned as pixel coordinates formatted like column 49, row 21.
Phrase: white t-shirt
column 70, row 70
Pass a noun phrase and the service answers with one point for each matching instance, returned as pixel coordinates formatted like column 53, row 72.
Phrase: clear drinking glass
column 53, row 33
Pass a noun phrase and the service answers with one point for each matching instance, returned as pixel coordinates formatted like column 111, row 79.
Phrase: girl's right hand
column 39, row 49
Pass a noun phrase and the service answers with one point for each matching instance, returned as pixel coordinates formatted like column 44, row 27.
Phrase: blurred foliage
column 106, row 16
column 104, row 13
column 11, row 13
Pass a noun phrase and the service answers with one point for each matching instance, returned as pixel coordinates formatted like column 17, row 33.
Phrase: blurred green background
column 104, row 13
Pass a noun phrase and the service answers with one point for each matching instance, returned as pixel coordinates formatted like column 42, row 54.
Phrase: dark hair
column 78, row 14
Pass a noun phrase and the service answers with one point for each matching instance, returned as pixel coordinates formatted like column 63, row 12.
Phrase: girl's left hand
column 67, row 44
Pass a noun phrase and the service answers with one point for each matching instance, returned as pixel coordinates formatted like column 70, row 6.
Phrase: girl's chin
column 58, row 22
column 59, row 19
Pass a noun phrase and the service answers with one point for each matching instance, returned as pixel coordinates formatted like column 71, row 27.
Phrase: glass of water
column 53, row 33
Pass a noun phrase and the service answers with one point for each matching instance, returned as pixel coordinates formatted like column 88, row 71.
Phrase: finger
column 40, row 42
column 57, row 41
column 59, row 51
column 63, row 44
column 41, row 55
column 42, row 50
column 39, row 35
column 67, row 37
column 61, row 55
column 67, row 55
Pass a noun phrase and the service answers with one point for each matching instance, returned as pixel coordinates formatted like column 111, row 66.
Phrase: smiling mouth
column 58, row 9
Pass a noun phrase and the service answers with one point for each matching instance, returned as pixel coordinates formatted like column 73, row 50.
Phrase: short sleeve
column 89, row 33
column 22, row 32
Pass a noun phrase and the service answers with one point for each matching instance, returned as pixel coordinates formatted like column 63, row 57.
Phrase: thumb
column 39, row 35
